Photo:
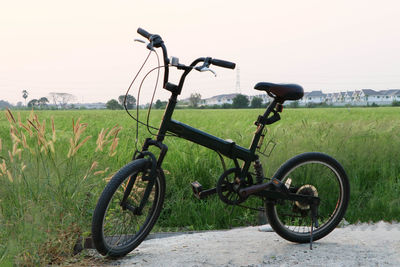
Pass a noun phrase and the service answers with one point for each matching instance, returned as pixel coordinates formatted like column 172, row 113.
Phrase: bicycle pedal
column 280, row 186
column 197, row 188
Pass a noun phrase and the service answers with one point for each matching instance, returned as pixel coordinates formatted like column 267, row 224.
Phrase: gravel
column 353, row 245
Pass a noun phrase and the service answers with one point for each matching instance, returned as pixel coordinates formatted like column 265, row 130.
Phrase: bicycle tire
column 333, row 193
column 109, row 216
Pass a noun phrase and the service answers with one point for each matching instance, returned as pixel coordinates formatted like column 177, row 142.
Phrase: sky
column 86, row 48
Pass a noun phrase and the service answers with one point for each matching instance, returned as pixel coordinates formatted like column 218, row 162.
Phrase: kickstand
column 314, row 220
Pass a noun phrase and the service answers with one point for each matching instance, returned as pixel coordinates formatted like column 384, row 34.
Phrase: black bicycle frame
column 225, row 147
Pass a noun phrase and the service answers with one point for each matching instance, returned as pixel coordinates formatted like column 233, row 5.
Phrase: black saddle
column 281, row 92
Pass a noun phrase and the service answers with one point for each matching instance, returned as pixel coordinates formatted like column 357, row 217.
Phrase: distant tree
column 395, row 103
column 256, row 102
column 4, row 104
column 42, row 102
column 226, row 105
column 294, row 104
column 240, row 101
column 194, row 100
column 25, row 95
column 113, row 104
column 33, row 103
column 130, row 101
column 374, row 104
column 61, row 99
column 311, row 105
column 158, row 104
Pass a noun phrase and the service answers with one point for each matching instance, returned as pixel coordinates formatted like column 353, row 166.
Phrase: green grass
column 49, row 204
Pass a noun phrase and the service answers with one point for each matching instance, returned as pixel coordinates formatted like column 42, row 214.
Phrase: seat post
column 269, row 109
column 260, row 126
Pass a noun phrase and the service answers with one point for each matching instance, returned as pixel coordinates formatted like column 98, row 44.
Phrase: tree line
column 57, row 101
column 194, row 101
column 62, row 100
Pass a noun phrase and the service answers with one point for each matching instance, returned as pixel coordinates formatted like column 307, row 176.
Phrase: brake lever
column 207, row 69
column 148, row 45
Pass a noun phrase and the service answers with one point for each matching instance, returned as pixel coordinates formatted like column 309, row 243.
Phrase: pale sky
column 86, row 48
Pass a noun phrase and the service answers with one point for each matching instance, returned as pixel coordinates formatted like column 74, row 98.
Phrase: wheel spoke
column 316, row 175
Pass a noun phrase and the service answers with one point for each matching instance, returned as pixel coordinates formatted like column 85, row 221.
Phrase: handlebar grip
column 144, row 33
column 223, row 63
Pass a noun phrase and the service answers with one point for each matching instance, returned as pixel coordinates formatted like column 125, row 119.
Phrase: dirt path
column 354, row 245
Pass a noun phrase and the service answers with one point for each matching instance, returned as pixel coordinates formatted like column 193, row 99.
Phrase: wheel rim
column 121, row 227
column 312, row 178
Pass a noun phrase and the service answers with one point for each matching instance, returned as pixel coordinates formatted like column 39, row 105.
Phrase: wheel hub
column 308, row 190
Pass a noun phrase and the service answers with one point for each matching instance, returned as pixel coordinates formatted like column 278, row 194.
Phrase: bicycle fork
column 147, row 176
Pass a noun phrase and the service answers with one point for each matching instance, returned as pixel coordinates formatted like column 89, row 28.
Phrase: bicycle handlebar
column 156, row 41
column 144, row 33
column 223, row 63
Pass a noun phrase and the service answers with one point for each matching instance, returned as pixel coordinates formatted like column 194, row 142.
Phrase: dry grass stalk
column 27, row 128
column 10, row 116
column 78, row 129
column 101, row 172
column 105, row 138
column 3, row 167
column 10, row 156
column 81, row 144
column 10, row 176
column 33, row 125
column 108, row 178
column 5, row 172
column 23, row 166
column 102, row 140
column 94, row 165
column 113, row 147
column 16, row 151
column 114, row 131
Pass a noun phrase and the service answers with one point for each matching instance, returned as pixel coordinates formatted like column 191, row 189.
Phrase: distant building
column 219, row 100
column 363, row 97
column 313, row 97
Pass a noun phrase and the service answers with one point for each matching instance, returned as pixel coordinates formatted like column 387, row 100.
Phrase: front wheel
column 123, row 216
column 313, row 174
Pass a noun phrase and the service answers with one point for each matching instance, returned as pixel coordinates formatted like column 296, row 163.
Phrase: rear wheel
column 118, row 224
column 313, row 174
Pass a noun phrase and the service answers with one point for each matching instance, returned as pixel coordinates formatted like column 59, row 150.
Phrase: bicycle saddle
column 281, row 92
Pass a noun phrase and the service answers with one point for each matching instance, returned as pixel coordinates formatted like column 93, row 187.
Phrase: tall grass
column 49, row 202
column 48, row 188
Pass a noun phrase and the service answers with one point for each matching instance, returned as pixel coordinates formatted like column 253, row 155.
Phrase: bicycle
column 304, row 201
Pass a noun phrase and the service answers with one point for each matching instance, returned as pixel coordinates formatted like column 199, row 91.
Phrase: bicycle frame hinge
column 171, row 87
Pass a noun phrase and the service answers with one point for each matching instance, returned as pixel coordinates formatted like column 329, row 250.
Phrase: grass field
column 47, row 196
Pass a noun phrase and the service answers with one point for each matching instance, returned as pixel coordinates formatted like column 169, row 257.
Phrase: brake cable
column 148, row 126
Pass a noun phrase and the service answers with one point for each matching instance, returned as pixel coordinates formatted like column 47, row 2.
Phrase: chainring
column 228, row 186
